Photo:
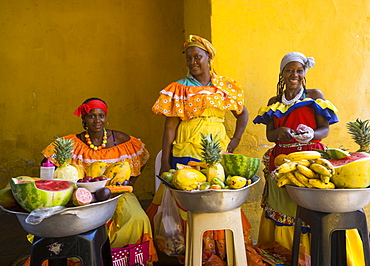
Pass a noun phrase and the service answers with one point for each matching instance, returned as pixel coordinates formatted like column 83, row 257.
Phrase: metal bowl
column 212, row 200
column 330, row 200
column 70, row 221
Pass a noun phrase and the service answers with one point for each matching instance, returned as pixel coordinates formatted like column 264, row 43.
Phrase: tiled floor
column 14, row 247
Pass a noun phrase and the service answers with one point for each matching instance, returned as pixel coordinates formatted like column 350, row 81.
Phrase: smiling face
column 293, row 75
column 197, row 61
column 95, row 120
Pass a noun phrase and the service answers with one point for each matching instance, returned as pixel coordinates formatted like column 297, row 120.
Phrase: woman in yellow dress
column 193, row 105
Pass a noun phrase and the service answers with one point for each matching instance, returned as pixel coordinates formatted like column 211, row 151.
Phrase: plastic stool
column 92, row 248
column 323, row 225
column 198, row 223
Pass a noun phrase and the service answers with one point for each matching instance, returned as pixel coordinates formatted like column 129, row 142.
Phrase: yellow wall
column 251, row 37
column 55, row 54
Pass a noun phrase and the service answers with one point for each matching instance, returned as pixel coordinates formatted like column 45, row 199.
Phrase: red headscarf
column 85, row 108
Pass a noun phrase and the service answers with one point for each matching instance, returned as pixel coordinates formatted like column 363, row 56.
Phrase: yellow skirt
column 269, row 232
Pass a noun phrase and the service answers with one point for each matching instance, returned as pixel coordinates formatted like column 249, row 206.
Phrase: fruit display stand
column 326, row 211
column 71, row 220
column 214, row 209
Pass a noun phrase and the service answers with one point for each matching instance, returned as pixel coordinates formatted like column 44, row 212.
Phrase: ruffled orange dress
column 129, row 224
column 201, row 109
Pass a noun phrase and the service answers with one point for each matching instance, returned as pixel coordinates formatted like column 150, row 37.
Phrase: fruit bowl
column 71, row 220
column 212, row 200
column 330, row 200
column 92, row 186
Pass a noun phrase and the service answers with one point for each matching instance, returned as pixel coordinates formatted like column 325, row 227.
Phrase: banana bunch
column 305, row 169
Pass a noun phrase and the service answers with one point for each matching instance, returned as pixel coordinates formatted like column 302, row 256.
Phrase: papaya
column 96, row 169
column 120, row 189
column 118, row 172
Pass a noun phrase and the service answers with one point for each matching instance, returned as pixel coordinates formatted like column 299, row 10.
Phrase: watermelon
column 42, row 193
column 352, row 171
column 240, row 165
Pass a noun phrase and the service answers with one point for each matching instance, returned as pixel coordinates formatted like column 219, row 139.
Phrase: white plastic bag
column 168, row 232
column 303, row 133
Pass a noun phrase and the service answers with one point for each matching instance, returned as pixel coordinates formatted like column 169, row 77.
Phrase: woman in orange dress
column 193, row 105
column 129, row 224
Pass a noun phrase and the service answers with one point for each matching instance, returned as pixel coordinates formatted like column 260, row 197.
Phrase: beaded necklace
column 92, row 146
column 296, row 98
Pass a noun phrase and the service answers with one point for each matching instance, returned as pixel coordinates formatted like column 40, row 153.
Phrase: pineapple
column 360, row 131
column 63, row 155
column 211, row 148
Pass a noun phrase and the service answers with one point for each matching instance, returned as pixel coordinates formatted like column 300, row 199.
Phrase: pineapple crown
column 63, row 150
column 360, row 131
column 211, row 148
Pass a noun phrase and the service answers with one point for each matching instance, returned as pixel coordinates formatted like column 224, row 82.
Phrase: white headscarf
column 307, row 62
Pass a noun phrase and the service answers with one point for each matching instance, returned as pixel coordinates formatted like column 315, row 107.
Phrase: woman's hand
column 284, row 134
column 241, row 123
column 234, row 142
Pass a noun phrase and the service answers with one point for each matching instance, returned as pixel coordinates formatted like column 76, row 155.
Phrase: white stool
column 198, row 223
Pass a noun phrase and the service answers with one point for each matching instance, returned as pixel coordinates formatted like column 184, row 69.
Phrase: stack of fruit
column 215, row 171
column 305, row 169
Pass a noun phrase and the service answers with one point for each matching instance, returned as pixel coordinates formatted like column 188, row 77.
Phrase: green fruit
column 239, row 165
column 337, row 153
column 217, row 181
column 204, row 186
column 43, row 193
column 7, row 200
column 172, row 171
column 167, row 175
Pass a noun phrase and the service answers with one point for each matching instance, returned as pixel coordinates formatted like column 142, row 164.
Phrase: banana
column 317, row 183
column 325, row 178
column 294, row 180
column 306, row 171
column 318, row 168
column 286, row 167
column 327, row 164
column 306, row 163
column 276, row 175
column 302, row 178
column 284, row 180
column 303, row 155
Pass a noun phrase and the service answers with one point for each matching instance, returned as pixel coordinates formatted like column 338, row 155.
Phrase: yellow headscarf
column 203, row 44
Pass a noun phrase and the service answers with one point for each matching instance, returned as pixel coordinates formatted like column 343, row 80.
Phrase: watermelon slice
column 240, row 165
column 352, row 171
column 43, row 193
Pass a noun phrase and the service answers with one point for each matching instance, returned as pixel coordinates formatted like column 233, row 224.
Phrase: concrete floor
column 15, row 248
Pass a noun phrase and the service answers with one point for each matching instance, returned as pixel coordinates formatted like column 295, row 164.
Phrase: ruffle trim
column 132, row 151
column 322, row 107
column 188, row 102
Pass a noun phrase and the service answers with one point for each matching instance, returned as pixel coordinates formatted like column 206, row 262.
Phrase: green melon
column 352, row 171
column 42, row 193
column 240, row 165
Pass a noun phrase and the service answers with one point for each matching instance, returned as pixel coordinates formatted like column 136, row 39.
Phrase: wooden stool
column 323, row 226
column 92, row 248
column 198, row 223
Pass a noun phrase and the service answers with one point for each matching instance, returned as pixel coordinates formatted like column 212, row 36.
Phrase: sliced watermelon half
column 42, row 193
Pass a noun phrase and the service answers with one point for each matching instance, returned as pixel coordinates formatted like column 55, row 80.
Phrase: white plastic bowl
column 92, row 186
